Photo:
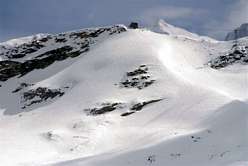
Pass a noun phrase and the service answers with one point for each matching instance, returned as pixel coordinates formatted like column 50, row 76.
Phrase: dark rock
column 9, row 69
column 139, row 78
column 137, row 72
column 45, row 39
column 147, row 83
column 41, row 92
column 106, row 107
column 139, row 106
column 109, row 107
column 57, row 52
column 237, row 55
column 49, row 58
column 127, row 113
column 39, row 95
column 60, row 40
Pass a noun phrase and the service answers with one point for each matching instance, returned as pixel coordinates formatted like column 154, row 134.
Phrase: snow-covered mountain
column 113, row 96
column 238, row 33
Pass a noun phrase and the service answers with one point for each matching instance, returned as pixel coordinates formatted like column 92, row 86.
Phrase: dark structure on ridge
column 133, row 25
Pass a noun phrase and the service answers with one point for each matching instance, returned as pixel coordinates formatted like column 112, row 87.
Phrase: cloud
column 238, row 14
column 149, row 16
column 235, row 15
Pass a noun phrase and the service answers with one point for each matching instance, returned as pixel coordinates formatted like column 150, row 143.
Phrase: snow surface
column 201, row 121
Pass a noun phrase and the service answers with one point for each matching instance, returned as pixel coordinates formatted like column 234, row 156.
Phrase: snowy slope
column 135, row 98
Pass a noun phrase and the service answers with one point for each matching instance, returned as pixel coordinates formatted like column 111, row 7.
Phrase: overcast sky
column 208, row 17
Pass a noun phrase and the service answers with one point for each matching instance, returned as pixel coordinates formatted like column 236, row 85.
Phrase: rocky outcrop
column 39, row 95
column 138, row 78
column 109, row 107
column 10, row 69
column 104, row 108
column 139, row 106
column 239, row 54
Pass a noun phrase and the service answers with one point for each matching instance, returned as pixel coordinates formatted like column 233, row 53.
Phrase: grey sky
column 209, row 17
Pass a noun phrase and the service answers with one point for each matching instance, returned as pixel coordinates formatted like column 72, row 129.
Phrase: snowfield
column 137, row 98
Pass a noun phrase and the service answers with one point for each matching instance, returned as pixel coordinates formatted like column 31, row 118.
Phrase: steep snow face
column 135, row 98
column 240, row 32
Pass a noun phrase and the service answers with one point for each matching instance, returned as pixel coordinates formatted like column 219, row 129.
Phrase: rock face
column 139, row 78
column 13, row 68
column 240, row 32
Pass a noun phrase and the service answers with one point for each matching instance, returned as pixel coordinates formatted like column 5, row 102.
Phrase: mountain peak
column 165, row 28
column 237, row 33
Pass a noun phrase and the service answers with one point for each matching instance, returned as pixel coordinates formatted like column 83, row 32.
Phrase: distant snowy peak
column 165, row 28
column 239, row 32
